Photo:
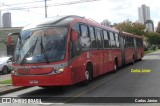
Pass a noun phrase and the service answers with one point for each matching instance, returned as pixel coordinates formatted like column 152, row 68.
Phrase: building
column 0, row 20
column 143, row 13
column 144, row 17
column 106, row 23
column 149, row 25
column 6, row 18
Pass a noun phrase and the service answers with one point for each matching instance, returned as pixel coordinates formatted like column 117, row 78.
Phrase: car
column 5, row 65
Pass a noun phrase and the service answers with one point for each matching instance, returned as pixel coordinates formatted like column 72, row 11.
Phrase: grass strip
column 150, row 51
column 6, row 82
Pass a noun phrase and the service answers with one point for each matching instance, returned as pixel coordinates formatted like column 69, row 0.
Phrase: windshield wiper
column 44, row 51
column 29, row 52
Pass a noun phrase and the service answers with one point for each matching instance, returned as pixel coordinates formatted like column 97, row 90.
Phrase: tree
column 130, row 27
column 153, row 37
column 158, row 28
column 138, row 29
column 149, row 25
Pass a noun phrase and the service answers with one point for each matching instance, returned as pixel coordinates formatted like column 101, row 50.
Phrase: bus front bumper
column 60, row 79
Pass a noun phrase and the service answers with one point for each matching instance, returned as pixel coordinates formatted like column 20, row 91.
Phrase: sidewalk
column 8, row 88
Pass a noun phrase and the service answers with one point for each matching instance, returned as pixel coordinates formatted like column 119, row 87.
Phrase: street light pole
column 45, row 8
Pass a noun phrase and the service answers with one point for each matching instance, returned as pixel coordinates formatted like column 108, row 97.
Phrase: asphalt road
column 124, row 83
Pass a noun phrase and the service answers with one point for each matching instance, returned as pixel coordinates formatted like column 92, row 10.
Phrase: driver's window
column 75, row 48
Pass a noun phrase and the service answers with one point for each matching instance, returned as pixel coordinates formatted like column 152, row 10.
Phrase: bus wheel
column 132, row 60
column 140, row 58
column 88, row 75
column 115, row 66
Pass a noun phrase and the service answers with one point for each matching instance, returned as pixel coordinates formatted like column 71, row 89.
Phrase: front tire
column 141, row 58
column 88, row 75
column 115, row 67
column 132, row 60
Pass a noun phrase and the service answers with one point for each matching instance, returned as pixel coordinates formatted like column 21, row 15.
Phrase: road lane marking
column 96, row 85
column 51, row 104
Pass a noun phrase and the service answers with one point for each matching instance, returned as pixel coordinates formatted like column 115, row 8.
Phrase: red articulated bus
column 66, row 50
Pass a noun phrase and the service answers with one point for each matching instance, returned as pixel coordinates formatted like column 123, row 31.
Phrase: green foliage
column 153, row 37
column 6, row 82
column 130, row 27
column 149, row 51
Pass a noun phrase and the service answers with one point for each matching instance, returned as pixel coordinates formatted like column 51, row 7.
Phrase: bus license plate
column 33, row 82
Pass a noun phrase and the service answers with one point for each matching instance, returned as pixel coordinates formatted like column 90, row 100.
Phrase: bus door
column 100, row 50
column 122, row 46
column 135, row 49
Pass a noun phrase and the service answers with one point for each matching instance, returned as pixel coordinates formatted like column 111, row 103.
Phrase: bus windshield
column 42, row 45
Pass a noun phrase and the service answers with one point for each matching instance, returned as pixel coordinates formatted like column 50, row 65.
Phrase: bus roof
column 52, row 21
column 129, row 34
column 66, row 20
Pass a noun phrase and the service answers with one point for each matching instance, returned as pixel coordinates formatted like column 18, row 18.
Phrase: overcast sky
column 113, row 10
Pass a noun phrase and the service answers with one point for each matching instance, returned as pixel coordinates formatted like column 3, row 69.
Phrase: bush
column 153, row 48
column 146, row 48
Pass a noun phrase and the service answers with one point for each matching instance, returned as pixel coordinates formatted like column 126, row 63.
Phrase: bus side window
column 92, row 36
column 99, row 39
column 117, row 40
column 126, row 39
column 75, row 44
column 132, row 41
column 112, row 39
column 84, row 38
column 137, row 42
column 106, row 39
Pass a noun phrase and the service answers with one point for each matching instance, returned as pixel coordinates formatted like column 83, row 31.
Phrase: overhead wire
column 49, row 5
column 21, row 3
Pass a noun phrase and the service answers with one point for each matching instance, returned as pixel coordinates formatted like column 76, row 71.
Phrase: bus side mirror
column 74, row 35
column 11, row 42
column 9, row 39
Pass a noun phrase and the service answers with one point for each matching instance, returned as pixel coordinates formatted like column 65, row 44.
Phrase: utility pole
column 45, row 8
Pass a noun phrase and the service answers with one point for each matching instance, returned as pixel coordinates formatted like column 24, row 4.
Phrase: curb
column 11, row 89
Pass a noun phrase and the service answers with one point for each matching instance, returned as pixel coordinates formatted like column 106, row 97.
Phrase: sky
column 114, row 10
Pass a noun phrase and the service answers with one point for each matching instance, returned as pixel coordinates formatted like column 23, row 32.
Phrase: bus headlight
column 60, row 70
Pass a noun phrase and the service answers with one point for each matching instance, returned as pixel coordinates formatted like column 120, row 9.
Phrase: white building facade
column 7, row 22
column 144, row 16
column 106, row 23
column 0, row 20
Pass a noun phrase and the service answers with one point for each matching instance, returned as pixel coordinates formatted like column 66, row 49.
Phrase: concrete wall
column 3, row 53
